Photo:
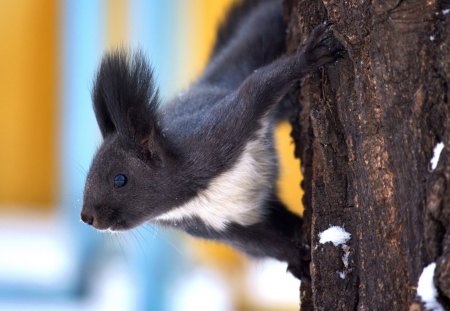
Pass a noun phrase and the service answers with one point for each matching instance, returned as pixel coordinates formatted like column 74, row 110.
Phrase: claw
column 326, row 40
column 340, row 54
column 322, row 47
column 319, row 30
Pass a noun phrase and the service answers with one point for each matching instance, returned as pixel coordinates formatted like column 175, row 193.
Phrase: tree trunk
column 365, row 133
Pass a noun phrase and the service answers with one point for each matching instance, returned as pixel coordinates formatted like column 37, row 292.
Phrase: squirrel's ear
column 101, row 110
column 124, row 95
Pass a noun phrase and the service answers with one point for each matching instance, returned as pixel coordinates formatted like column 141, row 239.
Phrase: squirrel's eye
column 120, row 180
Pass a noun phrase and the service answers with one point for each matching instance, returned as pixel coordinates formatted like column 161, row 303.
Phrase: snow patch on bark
column 426, row 289
column 346, row 250
column 436, row 154
column 336, row 235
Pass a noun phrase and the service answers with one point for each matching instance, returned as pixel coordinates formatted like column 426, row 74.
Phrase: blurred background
column 49, row 260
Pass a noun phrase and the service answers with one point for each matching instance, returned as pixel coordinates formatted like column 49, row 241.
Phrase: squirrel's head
column 126, row 182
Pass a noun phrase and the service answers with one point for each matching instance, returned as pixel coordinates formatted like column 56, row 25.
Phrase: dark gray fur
column 171, row 152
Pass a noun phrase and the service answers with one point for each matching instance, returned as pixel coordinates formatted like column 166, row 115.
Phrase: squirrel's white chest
column 237, row 195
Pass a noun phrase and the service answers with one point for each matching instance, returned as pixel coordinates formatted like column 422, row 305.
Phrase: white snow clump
column 436, row 154
column 336, row 235
column 426, row 289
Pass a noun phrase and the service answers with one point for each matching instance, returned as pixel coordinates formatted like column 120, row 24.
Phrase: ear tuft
column 124, row 95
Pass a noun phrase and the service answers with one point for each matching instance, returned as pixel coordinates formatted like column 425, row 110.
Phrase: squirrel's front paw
column 322, row 47
column 299, row 267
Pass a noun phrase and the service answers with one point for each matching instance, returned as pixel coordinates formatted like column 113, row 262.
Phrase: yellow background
column 28, row 104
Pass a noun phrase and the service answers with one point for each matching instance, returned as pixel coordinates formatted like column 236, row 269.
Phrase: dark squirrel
column 205, row 161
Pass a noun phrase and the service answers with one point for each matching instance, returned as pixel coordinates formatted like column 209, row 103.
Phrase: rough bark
column 365, row 133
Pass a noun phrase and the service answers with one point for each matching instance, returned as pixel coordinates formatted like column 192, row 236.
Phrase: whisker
column 153, row 228
column 139, row 238
column 118, row 237
column 79, row 167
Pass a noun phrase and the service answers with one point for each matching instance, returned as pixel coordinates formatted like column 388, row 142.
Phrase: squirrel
column 205, row 161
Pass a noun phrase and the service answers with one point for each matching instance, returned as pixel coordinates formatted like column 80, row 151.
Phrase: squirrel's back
column 237, row 13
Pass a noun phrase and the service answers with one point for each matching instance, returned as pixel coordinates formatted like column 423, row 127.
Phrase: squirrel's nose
column 87, row 218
